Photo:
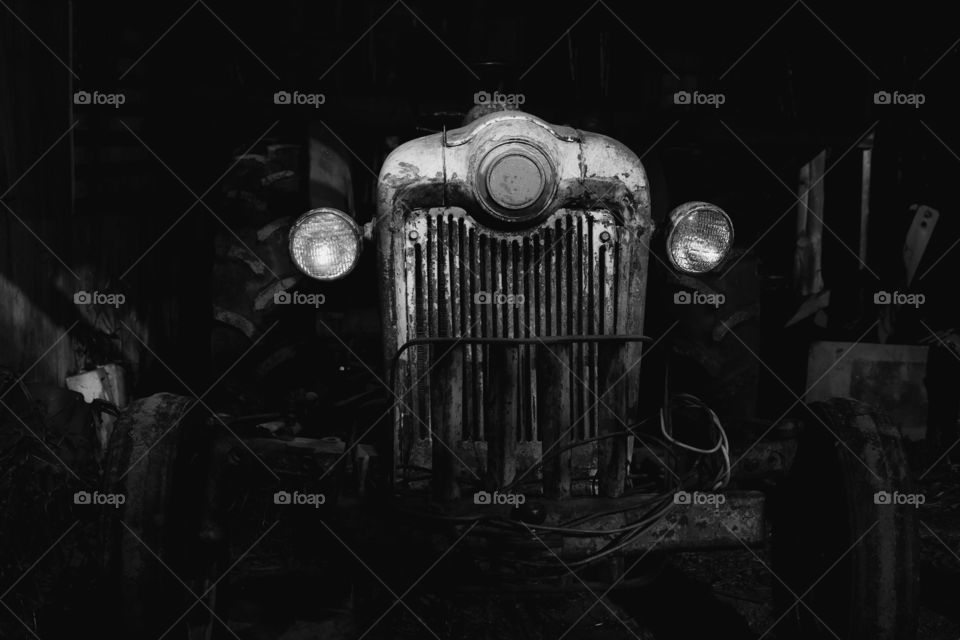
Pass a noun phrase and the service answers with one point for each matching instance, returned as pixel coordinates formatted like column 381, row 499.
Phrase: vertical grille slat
column 486, row 265
column 520, row 311
column 586, row 252
column 475, row 265
column 466, row 323
column 453, row 272
column 577, row 351
column 596, row 297
column 562, row 269
column 609, row 289
column 411, row 395
column 444, row 263
column 550, row 266
column 541, row 275
column 509, row 288
column 433, row 306
column 422, row 325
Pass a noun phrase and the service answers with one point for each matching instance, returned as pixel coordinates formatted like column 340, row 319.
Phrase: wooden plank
column 866, row 166
column 612, row 451
column 808, row 277
column 446, row 383
column 633, row 259
column 501, row 410
column 554, row 417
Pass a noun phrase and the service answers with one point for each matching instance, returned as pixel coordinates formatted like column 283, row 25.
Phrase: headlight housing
column 515, row 181
column 699, row 238
column 325, row 244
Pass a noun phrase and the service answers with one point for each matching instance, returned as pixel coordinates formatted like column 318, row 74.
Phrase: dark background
column 202, row 93
column 100, row 197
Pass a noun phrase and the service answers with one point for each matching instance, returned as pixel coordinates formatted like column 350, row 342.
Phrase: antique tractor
column 513, row 259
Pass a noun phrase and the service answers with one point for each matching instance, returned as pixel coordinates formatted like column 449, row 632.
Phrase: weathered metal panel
column 887, row 376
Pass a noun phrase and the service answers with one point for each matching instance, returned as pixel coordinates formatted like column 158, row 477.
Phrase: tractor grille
column 463, row 279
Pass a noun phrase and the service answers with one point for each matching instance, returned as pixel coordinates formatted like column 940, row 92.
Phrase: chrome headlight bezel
column 303, row 220
column 684, row 214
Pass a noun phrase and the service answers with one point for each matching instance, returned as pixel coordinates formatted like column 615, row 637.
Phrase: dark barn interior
column 269, row 369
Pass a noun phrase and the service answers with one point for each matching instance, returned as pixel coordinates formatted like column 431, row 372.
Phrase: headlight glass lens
column 700, row 237
column 325, row 244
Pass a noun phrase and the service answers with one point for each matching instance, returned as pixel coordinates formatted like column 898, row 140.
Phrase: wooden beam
column 553, row 417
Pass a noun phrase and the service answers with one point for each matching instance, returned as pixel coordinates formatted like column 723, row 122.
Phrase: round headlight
column 325, row 244
column 700, row 237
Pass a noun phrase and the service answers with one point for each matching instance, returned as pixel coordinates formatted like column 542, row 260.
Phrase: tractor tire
column 847, row 553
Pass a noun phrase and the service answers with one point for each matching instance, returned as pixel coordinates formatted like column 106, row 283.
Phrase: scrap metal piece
column 726, row 520
column 918, row 237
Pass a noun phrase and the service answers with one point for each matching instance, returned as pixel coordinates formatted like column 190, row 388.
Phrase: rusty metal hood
column 443, row 169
